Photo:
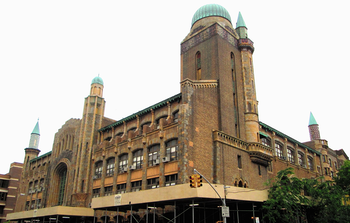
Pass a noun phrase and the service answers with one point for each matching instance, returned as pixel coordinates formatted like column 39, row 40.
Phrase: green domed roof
column 211, row 10
column 97, row 80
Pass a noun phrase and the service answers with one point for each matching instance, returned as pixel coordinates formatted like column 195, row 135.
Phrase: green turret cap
column 36, row 128
column 210, row 10
column 312, row 120
column 97, row 80
column 240, row 21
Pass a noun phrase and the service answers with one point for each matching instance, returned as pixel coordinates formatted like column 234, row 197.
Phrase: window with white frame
column 123, row 163
column 153, row 155
column 171, row 150
column 137, row 159
column 110, row 167
column 290, row 154
column 279, row 150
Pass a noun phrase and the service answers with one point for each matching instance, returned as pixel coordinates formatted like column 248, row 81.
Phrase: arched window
column 153, row 155
column 301, row 159
column 123, row 163
column 266, row 141
column 290, row 154
column 278, row 150
column 62, row 174
column 110, row 167
column 198, row 66
column 171, row 150
column 138, row 159
column 98, row 169
column 310, row 163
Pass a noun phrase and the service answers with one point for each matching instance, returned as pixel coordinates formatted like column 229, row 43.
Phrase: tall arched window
column 137, row 159
column 153, row 155
column 110, row 167
column 171, row 150
column 62, row 175
column 123, row 163
column 278, row 150
column 198, row 66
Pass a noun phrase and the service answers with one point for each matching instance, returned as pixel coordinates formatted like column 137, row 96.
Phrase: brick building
column 9, row 184
column 138, row 168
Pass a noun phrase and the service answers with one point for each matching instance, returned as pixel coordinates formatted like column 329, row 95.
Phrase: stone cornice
column 199, row 83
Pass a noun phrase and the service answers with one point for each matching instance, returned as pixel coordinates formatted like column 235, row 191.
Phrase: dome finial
column 97, row 80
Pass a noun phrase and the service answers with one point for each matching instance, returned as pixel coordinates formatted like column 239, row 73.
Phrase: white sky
column 51, row 50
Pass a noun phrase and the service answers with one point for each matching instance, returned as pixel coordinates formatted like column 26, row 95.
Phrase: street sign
column 225, row 211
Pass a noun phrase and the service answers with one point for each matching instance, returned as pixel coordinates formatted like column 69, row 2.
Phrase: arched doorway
column 61, row 177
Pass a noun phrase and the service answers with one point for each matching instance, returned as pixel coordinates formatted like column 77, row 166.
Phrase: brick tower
column 313, row 128
column 93, row 113
column 217, row 84
column 32, row 151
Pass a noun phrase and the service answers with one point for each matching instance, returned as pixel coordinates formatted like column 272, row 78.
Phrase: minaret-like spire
column 313, row 128
column 35, row 136
column 241, row 28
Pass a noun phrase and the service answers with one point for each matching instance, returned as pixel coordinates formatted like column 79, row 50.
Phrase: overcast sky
column 51, row 50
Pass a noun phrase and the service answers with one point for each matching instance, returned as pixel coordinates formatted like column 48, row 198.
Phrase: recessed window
column 96, row 192
column 176, row 116
column 153, row 183
column 278, row 150
column 138, row 159
column 108, row 191
column 310, row 163
column 171, row 150
column 301, row 159
column 239, row 161
column 121, row 188
column 136, row 185
column 153, row 155
column 98, row 169
column 290, row 154
column 110, row 167
column 123, row 163
column 198, row 66
column 170, row 180
column 266, row 142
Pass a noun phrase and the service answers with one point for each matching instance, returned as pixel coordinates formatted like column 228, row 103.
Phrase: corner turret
column 32, row 151
column 313, row 128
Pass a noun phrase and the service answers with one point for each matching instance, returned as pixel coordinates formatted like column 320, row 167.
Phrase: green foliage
column 316, row 200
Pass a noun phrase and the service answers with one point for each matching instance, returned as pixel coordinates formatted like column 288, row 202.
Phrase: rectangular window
column 108, row 190
column 290, row 155
column 121, row 188
column 153, row 155
column 136, row 185
column 269, row 167
column 138, row 159
column 239, row 161
column 170, row 180
column 98, row 169
column 96, row 192
column 171, row 150
column 3, row 196
column 123, row 163
column 259, row 170
column 153, row 183
column 110, row 167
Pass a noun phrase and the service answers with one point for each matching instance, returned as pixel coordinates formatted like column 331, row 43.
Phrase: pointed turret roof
column 312, row 120
column 36, row 128
column 240, row 21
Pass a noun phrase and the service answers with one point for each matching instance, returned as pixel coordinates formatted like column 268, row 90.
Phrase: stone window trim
column 154, row 155
column 138, row 159
column 171, row 151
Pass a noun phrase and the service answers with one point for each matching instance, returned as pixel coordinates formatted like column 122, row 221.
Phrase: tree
column 315, row 199
column 285, row 200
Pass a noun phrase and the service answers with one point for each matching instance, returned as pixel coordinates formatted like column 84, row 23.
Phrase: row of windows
column 290, row 154
column 171, row 154
column 30, row 205
column 152, row 183
column 36, row 186
column 157, row 122
column 324, row 157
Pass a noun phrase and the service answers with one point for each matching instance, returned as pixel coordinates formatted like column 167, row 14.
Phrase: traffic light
column 199, row 180
column 193, row 183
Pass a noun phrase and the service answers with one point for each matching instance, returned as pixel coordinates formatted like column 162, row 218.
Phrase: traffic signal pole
column 223, row 200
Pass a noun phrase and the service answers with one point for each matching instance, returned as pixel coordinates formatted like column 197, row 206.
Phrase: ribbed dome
column 211, row 10
column 97, row 80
